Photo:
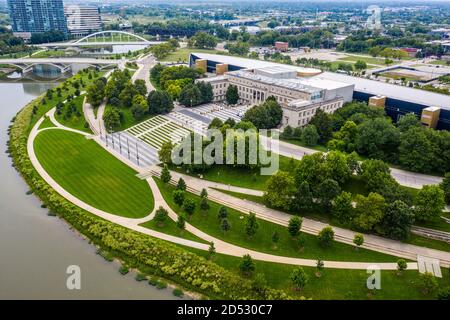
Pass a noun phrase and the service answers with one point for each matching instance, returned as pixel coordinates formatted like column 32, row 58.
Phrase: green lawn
column 183, row 54
column 49, row 54
column 262, row 240
column 77, row 120
column 92, row 174
column 127, row 118
column 338, row 284
column 439, row 62
column 47, row 123
column 366, row 59
column 170, row 227
column 300, row 143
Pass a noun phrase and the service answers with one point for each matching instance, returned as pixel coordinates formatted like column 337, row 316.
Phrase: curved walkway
column 221, row 246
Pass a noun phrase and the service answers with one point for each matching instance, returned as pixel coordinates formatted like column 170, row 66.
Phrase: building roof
column 392, row 91
column 250, row 63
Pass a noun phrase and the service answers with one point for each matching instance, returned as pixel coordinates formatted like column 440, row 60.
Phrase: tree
column 206, row 91
column 232, row 94
column 428, row 283
column 225, row 225
column 189, row 206
column 111, row 117
column 216, row 123
column 251, row 225
column 139, row 107
column 178, row 197
column 181, row 222
column 211, row 249
column 326, row 237
column 159, row 102
column 280, row 190
column 407, row 122
column 275, row 238
column 369, row 211
column 165, row 174
column 321, row 120
column 204, row 194
column 294, row 226
column 161, row 216
column 95, row 93
column 416, row 151
column 190, row 96
column 223, row 213
column 310, row 136
column 240, row 48
column 301, row 241
column 181, row 185
column 360, row 65
column 299, row 278
column 444, row 294
column 259, row 283
column 266, row 115
column 342, row 207
column 165, row 153
column 204, row 205
column 319, row 267
column 127, row 94
column 429, row 203
column 303, row 197
column 397, row 221
column 140, row 87
column 202, row 40
column 445, row 186
column 358, row 240
column 401, row 265
column 247, row 266
column 327, row 191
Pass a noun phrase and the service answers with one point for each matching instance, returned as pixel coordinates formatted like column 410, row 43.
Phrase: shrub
column 177, row 292
column 326, row 237
column 124, row 270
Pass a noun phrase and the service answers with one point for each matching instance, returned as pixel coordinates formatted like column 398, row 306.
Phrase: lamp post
column 137, row 153
column 128, row 148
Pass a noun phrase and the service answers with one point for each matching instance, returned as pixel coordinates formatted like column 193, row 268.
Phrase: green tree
column 204, row 205
column 445, row 186
column 360, row 65
column 223, row 213
column 165, row 153
column 178, row 197
column 303, row 197
column 416, row 152
column 319, row 267
column 343, row 207
column 369, row 211
column 407, row 122
column 397, row 221
column 444, row 293
column 299, row 278
column 327, row 191
column 204, row 193
column 321, row 120
column 358, row 240
column 202, row 40
column 251, row 225
column 216, row 123
column 326, row 237
column 310, row 136
column 111, row 117
column 211, row 250
column 247, row 266
column 181, row 185
column 159, row 102
column 280, row 190
column 161, row 216
column 127, row 94
column 165, row 174
column 401, row 265
column 294, row 226
column 190, row 96
column 225, row 225
column 189, row 206
column 232, row 94
column 428, row 283
column 140, row 87
column 429, row 203
column 181, row 223
column 95, row 93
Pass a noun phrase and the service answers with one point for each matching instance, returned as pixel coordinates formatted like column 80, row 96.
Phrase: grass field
column 262, row 240
column 440, row 62
column 49, row 54
column 183, row 54
column 170, row 227
column 368, row 60
column 75, row 121
column 93, row 175
column 339, row 284
column 47, row 123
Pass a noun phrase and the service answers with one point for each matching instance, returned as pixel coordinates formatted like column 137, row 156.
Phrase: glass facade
column 37, row 15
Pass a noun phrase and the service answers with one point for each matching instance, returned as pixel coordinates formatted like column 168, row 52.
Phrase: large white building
column 82, row 20
column 299, row 96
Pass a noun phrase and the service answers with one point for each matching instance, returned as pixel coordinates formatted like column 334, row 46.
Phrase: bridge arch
column 93, row 35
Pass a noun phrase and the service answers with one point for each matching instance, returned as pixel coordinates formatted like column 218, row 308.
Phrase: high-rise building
column 37, row 16
column 82, row 20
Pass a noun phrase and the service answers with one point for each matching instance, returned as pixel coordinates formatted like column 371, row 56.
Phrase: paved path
column 145, row 64
column 221, row 246
column 310, row 226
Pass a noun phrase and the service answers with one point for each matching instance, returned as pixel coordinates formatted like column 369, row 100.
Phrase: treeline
column 319, row 180
column 184, row 27
column 9, row 44
column 49, row 36
column 369, row 132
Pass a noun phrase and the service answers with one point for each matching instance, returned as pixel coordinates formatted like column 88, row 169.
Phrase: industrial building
column 432, row 108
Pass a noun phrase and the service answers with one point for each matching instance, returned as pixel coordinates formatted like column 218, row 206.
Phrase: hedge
column 137, row 250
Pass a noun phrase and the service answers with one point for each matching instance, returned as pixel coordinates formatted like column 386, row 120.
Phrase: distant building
column 281, row 46
column 82, row 20
column 36, row 16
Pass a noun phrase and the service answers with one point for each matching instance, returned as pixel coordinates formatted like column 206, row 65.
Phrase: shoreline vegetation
column 149, row 255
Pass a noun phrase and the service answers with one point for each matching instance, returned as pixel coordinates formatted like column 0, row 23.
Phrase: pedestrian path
column 221, row 111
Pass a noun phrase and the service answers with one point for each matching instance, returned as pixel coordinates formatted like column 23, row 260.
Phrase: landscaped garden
column 90, row 173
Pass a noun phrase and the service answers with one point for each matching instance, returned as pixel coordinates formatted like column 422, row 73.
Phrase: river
column 36, row 249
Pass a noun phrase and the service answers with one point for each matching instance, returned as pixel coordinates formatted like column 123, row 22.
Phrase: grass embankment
column 339, row 284
column 93, row 175
column 76, row 120
column 262, row 240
